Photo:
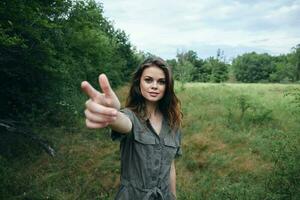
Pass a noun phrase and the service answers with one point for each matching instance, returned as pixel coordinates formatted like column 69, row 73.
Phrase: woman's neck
column 152, row 109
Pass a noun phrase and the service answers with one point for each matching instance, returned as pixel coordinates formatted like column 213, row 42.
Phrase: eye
column 162, row 82
column 148, row 80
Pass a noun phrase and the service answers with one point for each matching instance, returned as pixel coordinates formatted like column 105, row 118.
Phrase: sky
column 166, row 27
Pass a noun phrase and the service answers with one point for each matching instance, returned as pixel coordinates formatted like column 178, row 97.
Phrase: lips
column 153, row 94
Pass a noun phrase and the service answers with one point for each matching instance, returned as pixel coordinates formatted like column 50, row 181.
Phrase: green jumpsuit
column 146, row 159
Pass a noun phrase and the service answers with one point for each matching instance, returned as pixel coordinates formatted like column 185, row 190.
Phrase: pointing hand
column 102, row 108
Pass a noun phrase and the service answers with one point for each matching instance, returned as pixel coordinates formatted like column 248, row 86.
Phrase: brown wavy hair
column 169, row 105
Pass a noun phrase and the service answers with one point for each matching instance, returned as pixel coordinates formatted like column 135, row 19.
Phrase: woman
column 148, row 130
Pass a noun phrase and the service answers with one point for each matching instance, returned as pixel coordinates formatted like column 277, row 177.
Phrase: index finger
column 89, row 90
column 104, row 84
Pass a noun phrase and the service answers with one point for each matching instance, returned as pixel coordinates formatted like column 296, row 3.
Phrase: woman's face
column 153, row 83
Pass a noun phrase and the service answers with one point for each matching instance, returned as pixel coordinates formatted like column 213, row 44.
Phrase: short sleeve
column 119, row 136
column 178, row 144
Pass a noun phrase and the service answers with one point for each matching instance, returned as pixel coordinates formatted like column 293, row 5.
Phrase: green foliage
column 192, row 57
column 47, row 48
column 294, row 93
column 235, row 137
column 24, row 73
column 188, row 67
column 285, row 70
column 295, row 61
column 243, row 105
column 218, row 70
column 284, row 181
column 253, row 67
column 247, row 68
column 244, row 111
column 183, row 71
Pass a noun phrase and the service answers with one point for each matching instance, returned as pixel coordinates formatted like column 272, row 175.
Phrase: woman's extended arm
column 122, row 124
column 173, row 178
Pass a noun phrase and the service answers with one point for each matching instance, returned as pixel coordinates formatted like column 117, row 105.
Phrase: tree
column 48, row 47
column 296, row 61
column 28, row 54
column 284, row 70
column 217, row 71
column 253, row 67
column 184, row 69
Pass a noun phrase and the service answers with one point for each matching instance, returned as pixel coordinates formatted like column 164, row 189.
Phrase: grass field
column 240, row 141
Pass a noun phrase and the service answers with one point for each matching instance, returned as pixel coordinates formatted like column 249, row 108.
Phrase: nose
column 154, row 85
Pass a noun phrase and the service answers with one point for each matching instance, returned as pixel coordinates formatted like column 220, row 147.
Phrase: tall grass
column 240, row 141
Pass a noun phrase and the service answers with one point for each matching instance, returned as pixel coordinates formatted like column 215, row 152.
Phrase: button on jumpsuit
column 146, row 159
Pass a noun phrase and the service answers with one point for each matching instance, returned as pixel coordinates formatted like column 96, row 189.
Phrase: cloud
column 163, row 27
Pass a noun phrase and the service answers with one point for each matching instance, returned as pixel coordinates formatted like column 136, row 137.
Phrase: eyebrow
column 152, row 77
